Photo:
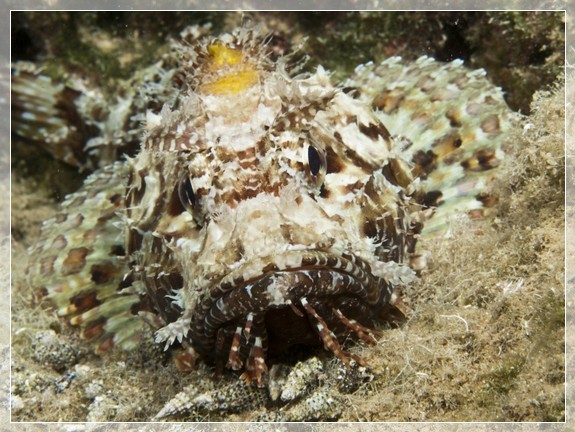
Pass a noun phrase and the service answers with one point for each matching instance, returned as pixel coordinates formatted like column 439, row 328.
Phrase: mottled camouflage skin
column 264, row 208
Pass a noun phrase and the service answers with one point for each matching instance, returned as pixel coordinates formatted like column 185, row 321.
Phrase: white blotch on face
column 277, row 291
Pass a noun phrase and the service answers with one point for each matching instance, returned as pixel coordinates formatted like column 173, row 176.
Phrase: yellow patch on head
column 235, row 73
column 224, row 56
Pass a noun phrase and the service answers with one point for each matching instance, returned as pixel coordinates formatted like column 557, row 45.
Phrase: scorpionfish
column 241, row 207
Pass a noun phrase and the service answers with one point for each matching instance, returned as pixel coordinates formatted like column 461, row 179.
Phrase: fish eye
column 187, row 194
column 316, row 160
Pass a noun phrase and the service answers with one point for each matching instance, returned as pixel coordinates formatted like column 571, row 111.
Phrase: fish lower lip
column 281, row 289
column 312, row 274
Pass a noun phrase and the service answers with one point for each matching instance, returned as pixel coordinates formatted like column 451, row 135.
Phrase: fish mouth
column 299, row 293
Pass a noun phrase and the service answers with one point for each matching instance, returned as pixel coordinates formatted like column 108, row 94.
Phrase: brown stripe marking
column 103, row 273
column 425, row 161
column 333, row 161
column 374, row 131
column 387, row 102
column 94, row 329
column 447, row 144
column 85, row 301
column 482, row 160
column 75, row 261
column 431, row 198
